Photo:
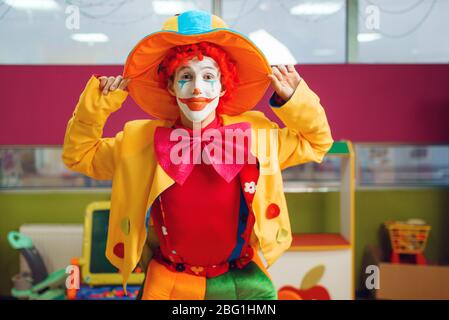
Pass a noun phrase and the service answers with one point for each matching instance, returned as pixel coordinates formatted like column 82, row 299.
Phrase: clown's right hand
column 108, row 84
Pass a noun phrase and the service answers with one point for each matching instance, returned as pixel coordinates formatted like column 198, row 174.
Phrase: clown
column 197, row 223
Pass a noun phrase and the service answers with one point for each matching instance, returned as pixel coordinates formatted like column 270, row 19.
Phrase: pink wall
column 364, row 103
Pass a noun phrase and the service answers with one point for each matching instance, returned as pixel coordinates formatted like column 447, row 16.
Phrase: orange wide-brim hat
column 192, row 27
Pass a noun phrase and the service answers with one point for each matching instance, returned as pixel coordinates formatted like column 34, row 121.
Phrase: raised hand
column 284, row 80
column 108, row 84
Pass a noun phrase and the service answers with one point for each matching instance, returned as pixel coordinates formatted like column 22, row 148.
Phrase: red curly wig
column 177, row 56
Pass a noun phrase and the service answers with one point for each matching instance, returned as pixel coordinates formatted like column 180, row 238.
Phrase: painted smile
column 196, row 104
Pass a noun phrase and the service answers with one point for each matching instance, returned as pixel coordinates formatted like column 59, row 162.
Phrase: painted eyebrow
column 183, row 68
column 207, row 67
column 213, row 69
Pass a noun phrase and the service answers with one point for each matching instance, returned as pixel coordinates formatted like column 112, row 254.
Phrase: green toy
column 41, row 285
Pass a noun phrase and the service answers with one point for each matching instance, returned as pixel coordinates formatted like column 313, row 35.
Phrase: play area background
column 364, row 103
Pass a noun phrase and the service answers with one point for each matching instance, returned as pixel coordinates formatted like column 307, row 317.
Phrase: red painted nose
column 196, row 91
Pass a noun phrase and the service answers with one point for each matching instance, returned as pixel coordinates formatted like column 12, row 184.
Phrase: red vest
column 204, row 224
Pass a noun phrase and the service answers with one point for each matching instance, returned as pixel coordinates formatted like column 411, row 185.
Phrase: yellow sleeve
column 84, row 149
column 306, row 136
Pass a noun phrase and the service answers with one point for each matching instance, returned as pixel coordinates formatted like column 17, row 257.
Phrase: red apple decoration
column 315, row 293
column 289, row 293
column 309, row 289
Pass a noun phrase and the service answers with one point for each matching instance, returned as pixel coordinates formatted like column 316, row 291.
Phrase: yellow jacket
column 128, row 159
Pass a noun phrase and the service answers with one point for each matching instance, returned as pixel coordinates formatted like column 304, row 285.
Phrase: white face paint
column 197, row 87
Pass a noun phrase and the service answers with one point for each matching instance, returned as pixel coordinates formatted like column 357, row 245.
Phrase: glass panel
column 377, row 165
column 403, row 31
column 40, row 167
column 402, row 165
column 292, row 31
column 80, row 31
column 313, row 176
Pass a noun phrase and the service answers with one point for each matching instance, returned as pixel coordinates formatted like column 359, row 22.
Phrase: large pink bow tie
column 226, row 148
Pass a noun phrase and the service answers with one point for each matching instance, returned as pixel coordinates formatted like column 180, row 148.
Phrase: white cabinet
column 323, row 261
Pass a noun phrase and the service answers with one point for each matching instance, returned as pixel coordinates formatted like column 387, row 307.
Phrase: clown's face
column 197, row 88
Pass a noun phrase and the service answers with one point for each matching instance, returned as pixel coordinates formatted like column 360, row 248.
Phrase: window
column 287, row 31
column 403, row 31
column 48, row 32
column 292, row 31
column 402, row 165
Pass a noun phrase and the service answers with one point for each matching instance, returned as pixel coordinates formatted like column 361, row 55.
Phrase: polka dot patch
column 282, row 235
column 273, row 211
column 124, row 225
column 119, row 250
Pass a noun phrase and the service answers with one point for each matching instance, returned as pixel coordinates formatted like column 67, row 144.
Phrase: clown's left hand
column 284, row 80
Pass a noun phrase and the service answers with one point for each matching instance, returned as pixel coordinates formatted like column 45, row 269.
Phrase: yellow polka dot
column 282, row 235
column 124, row 226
